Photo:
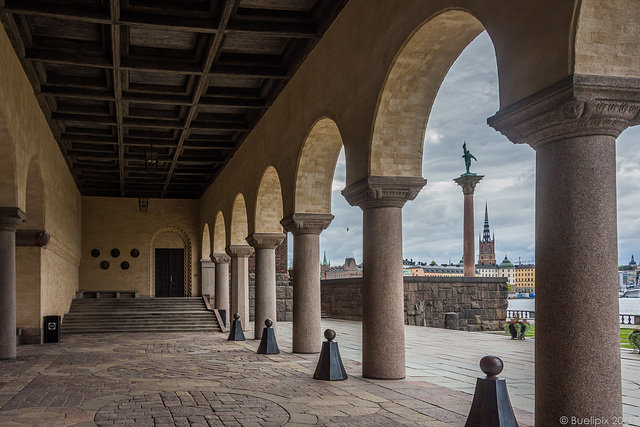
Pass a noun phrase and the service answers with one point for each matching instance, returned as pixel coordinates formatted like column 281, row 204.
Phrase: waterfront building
column 525, row 279
column 508, row 270
column 349, row 269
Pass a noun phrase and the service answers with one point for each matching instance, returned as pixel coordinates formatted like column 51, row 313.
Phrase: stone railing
column 625, row 319
column 630, row 319
column 521, row 314
column 480, row 303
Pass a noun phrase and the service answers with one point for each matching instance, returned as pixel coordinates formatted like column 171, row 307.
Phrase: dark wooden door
column 169, row 272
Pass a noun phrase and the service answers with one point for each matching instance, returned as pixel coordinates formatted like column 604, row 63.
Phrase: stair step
column 139, row 315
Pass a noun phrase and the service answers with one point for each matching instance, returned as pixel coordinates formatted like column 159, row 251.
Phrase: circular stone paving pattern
column 192, row 408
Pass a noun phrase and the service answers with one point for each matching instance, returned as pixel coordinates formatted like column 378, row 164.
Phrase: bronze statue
column 467, row 156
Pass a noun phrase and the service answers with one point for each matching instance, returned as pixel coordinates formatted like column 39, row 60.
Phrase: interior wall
column 117, row 223
column 29, row 137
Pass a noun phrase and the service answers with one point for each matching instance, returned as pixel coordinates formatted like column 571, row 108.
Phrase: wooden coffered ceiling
column 151, row 98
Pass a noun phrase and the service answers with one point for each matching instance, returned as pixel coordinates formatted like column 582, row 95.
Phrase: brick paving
column 201, row 379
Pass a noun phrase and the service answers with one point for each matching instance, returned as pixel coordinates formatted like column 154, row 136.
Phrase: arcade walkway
column 200, row 379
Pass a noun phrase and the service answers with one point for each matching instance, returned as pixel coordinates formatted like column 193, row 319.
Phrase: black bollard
column 236, row 333
column 330, row 367
column 268, row 344
column 491, row 406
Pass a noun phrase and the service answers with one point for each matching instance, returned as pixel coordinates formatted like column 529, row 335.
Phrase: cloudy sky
column 432, row 223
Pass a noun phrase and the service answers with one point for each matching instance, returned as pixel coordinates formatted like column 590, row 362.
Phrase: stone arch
column 269, row 203
column 316, row 167
column 239, row 223
column 410, row 88
column 8, row 173
column 219, row 234
column 29, row 260
column 206, row 242
column 170, row 237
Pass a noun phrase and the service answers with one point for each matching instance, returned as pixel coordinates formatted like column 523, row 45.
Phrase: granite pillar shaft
column 381, row 200
column 10, row 218
column 469, row 269
column 576, row 267
column 307, row 325
column 222, row 283
column 265, row 283
column 572, row 126
column 383, row 352
column 468, row 183
column 265, row 288
column 240, row 281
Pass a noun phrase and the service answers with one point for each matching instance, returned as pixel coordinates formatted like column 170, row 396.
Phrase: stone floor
column 201, row 379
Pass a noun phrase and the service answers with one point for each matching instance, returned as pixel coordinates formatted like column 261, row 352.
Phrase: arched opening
column 316, row 167
column 207, row 268
column 269, row 203
column 170, row 248
column 410, row 89
column 343, row 238
column 219, row 234
column 29, row 261
column 206, row 242
column 239, row 223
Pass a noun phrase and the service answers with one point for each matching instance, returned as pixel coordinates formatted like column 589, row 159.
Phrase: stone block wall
column 481, row 303
column 284, row 297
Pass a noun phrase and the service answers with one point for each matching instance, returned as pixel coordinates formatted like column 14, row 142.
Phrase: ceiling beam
column 228, row 8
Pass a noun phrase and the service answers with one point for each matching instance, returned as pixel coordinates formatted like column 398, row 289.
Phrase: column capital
column 577, row 106
column 306, row 223
column 239, row 250
column 383, row 191
column 265, row 240
column 220, row 258
column 468, row 182
column 10, row 218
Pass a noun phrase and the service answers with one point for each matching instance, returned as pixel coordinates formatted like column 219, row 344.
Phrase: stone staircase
column 139, row 315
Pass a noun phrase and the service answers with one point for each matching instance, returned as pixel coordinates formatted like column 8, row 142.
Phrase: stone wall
column 480, row 302
column 117, row 223
column 284, row 297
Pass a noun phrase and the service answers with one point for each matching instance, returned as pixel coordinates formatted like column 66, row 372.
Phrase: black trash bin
column 51, row 329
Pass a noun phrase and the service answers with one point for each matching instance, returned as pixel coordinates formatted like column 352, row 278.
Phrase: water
column 627, row 305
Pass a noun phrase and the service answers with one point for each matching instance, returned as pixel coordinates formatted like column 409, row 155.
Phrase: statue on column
column 467, row 157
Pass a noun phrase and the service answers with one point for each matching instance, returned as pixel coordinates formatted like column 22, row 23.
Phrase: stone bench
column 106, row 294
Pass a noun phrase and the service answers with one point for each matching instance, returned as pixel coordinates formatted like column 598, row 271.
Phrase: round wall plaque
column 105, row 265
column 124, row 265
column 135, row 253
column 95, row 253
column 115, row 253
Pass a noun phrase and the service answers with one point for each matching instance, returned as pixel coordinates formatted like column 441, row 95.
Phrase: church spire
column 324, row 261
column 486, row 234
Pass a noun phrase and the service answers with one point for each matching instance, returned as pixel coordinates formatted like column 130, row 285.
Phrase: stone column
column 381, row 200
column 10, row 219
column 265, row 245
column 222, row 282
column 207, row 276
column 307, row 326
column 573, row 126
column 240, row 281
column 468, row 183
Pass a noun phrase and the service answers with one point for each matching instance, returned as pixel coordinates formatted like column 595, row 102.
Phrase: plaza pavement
column 201, row 379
